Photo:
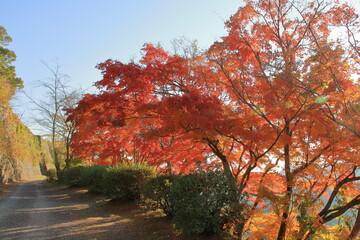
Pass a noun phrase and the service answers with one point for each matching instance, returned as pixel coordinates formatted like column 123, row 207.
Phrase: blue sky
column 80, row 34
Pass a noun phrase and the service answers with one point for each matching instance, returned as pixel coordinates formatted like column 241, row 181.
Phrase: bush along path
column 201, row 204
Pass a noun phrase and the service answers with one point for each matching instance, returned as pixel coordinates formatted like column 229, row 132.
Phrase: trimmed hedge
column 126, row 181
column 205, row 202
column 115, row 182
column 71, row 176
column 92, row 178
column 156, row 192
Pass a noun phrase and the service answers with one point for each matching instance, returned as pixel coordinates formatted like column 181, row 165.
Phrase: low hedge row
column 203, row 202
column 115, row 182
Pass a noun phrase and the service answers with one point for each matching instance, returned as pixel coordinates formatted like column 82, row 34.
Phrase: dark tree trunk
column 356, row 228
column 289, row 186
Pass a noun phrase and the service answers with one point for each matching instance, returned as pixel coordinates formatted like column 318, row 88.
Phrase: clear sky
column 82, row 33
column 78, row 34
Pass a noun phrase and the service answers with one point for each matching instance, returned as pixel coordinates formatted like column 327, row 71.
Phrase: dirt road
column 37, row 210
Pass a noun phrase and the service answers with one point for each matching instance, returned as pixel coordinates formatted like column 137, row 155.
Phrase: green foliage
column 51, row 174
column 156, row 193
column 92, row 177
column 305, row 216
column 24, row 144
column 126, row 181
column 116, row 182
column 71, row 176
column 205, row 202
column 7, row 71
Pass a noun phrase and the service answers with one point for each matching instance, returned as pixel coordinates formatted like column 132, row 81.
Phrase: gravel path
column 37, row 210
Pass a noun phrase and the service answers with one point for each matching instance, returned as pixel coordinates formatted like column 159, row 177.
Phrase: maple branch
column 320, row 193
column 257, row 200
column 356, row 228
column 239, row 165
column 336, row 213
column 332, row 117
column 245, row 178
column 273, row 144
column 334, row 193
column 307, row 164
column 242, row 98
column 213, row 144
column 352, row 39
column 340, row 210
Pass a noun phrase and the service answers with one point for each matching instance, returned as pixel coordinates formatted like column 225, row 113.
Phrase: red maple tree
column 274, row 99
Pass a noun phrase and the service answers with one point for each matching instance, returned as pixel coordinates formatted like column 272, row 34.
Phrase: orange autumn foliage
column 274, row 103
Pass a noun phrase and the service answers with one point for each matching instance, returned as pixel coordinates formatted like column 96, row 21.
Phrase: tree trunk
column 68, row 156
column 55, row 155
column 356, row 228
column 289, row 188
column 229, row 175
column 227, row 170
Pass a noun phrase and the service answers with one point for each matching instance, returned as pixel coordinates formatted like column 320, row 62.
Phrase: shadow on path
column 38, row 210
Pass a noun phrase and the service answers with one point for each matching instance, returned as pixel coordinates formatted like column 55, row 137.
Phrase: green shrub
column 155, row 193
column 72, row 176
column 92, row 177
column 204, row 202
column 51, row 174
column 126, row 181
column 61, row 176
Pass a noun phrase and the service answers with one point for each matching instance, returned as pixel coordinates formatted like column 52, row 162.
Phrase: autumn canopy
column 275, row 104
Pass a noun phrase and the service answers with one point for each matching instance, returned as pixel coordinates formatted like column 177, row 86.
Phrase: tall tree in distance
column 65, row 129
column 51, row 118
